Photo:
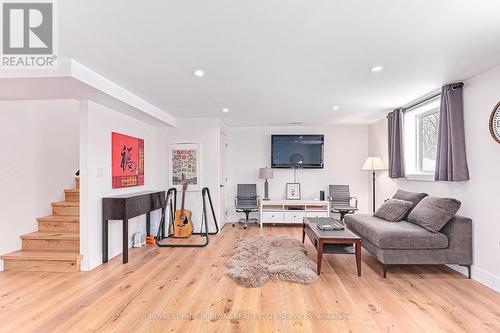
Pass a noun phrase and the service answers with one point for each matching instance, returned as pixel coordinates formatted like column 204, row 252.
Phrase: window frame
column 412, row 138
column 420, row 142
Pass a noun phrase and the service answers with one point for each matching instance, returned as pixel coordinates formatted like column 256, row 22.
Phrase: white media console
column 291, row 211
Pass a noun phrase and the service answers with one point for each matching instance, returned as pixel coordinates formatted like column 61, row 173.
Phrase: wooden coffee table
column 331, row 242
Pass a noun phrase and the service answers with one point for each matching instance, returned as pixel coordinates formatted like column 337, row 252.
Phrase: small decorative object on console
column 293, row 191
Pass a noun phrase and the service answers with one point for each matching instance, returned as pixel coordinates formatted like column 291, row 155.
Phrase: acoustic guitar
column 182, row 226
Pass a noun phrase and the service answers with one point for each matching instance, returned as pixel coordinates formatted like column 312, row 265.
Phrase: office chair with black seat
column 246, row 201
column 340, row 200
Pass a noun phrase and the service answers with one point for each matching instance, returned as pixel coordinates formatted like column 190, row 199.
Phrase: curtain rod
column 420, row 101
column 429, row 97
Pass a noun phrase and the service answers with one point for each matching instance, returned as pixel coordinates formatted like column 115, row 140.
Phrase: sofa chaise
column 406, row 243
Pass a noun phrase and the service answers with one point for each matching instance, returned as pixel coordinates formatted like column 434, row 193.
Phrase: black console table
column 124, row 207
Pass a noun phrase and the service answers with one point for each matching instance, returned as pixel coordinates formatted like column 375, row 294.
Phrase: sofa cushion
column 393, row 210
column 414, row 197
column 432, row 213
column 388, row 235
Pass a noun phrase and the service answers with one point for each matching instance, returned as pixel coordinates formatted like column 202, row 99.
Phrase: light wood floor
column 160, row 283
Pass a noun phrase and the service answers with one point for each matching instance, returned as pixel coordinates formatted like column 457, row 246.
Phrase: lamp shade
column 265, row 173
column 373, row 164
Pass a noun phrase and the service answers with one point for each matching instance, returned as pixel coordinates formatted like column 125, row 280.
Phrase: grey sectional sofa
column 405, row 243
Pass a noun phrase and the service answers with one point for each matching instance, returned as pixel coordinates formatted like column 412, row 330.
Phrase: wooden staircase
column 55, row 247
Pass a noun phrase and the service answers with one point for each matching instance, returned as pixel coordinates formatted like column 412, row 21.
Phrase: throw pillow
column 433, row 213
column 393, row 210
column 414, row 197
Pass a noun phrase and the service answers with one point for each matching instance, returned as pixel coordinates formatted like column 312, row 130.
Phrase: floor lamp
column 373, row 164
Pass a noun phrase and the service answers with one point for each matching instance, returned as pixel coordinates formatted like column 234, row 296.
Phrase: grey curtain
column 451, row 159
column 396, row 153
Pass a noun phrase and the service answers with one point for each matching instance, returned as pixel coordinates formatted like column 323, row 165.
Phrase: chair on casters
column 246, row 201
column 340, row 200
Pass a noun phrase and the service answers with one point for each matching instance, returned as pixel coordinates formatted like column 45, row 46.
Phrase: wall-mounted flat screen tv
column 297, row 151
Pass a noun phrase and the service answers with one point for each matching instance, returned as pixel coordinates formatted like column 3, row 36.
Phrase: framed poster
column 185, row 165
column 293, row 191
column 127, row 158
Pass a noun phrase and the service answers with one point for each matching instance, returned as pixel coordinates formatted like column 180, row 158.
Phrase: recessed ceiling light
column 335, row 108
column 225, row 110
column 199, row 73
column 376, row 69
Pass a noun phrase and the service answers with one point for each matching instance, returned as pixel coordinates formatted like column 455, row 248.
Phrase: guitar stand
column 172, row 192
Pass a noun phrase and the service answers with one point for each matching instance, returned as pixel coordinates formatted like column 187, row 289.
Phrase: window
column 421, row 127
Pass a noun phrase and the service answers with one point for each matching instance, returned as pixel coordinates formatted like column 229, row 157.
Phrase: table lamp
column 266, row 173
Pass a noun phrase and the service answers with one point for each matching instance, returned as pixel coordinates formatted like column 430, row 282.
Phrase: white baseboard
column 480, row 275
column 95, row 261
column 460, row 269
column 486, row 278
column 89, row 264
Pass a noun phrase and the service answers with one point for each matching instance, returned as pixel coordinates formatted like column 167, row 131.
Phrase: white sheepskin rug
column 257, row 260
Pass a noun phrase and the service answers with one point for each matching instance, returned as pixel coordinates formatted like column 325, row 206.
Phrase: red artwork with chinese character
column 128, row 160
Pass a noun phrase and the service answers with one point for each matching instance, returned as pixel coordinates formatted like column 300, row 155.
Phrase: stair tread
column 41, row 255
column 66, row 203
column 55, row 247
column 52, row 235
column 59, row 218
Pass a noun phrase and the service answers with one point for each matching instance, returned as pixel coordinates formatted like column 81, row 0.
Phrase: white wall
column 204, row 131
column 345, row 151
column 97, row 124
column 38, row 160
column 480, row 196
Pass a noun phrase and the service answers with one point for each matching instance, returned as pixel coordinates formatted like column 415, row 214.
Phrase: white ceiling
column 71, row 80
column 275, row 62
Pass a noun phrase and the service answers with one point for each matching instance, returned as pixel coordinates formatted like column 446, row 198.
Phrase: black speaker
column 322, row 195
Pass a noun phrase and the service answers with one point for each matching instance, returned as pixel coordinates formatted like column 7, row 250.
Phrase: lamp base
column 266, row 190
column 373, row 180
